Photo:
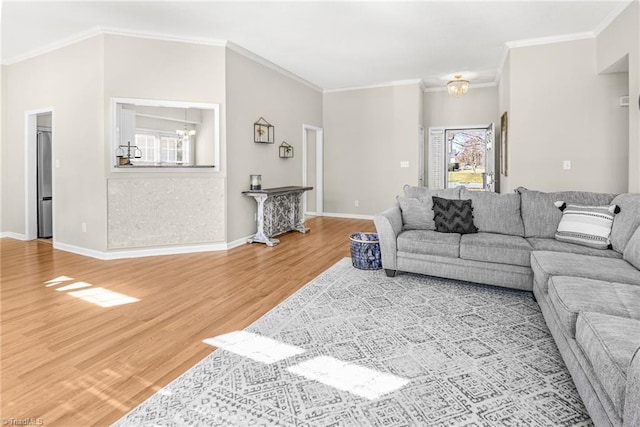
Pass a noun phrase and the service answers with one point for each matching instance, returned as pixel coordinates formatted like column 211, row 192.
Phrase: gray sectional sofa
column 590, row 298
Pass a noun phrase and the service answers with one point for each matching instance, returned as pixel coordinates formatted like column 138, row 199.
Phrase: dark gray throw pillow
column 453, row 216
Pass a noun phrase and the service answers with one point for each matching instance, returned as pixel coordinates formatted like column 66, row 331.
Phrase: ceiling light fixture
column 186, row 132
column 458, row 87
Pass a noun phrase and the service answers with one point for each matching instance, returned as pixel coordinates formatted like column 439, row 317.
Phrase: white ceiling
column 329, row 44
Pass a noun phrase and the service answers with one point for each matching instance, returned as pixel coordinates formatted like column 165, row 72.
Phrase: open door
column 462, row 156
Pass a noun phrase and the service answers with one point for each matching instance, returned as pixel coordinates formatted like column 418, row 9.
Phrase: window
column 162, row 148
column 150, row 135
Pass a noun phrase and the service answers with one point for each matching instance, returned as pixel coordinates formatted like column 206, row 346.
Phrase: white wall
column 561, row 109
column 3, row 178
column 478, row 107
column 504, row 104
column 367, row 133
column 254, row 90
column 622, row 38
column 70, row 81
column 173, row 71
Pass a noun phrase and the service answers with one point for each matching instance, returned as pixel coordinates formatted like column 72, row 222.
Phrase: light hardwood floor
column 74, row 363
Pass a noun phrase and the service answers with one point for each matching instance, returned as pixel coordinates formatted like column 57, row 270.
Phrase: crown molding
column 471, row 86
column 58, row 44
column 501, row 64
column 378, row 85
column 549, row 40
column 612, row 16
column 96, row 31
column 260, row 60
column 100, row 30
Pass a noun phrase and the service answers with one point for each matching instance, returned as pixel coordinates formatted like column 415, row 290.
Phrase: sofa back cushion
column 496, row 213
column 632, row 250
column 627, row 220
column 417, row 206
column 541, row 216
column 420, row 192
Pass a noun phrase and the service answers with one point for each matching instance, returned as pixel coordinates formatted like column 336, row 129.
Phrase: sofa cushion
column 541, row 217
column 546, row 264
column 632, row 394
column 609, row 342
column 500, row 248
column 429, row 242
column 418, row 192
column 571, row 295
column 586, row 225
column 627, row 221
column 541, row 244
column 417, row 213
column 632, row 250
column 453, row 216
column 494, row 212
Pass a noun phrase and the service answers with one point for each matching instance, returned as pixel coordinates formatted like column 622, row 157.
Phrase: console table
column 278, row 212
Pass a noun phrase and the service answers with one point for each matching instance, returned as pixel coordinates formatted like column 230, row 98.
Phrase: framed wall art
column 504, row 146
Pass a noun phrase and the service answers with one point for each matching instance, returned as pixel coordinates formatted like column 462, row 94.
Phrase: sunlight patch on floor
column 355, row 379
column 256, row 347
column 103, row 297
column 77, row 285
column 359, row 380
column 57, row 281
column 90, row 293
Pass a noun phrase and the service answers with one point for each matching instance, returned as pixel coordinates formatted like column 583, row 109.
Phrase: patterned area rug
column 357, row 348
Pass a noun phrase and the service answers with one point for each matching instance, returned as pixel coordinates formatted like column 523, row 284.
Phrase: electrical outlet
column 566, row 165
column 356, row 203
column 404, row 164
column 84, row 227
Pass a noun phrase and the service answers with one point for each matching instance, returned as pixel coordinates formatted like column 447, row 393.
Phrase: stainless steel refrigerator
column 45, row 200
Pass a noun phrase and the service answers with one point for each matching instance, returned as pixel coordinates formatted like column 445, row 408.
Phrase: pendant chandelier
column 458, row 87
column 185, row 133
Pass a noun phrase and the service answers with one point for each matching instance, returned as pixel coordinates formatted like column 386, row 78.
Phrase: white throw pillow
column 586, row 225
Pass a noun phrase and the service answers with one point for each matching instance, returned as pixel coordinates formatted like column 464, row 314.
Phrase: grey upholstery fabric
column 546, row 264
column 627, row 220
column 418, row 192
column 417, row 206
column 632, row 250
column 632, row 395
column 429, row 242
column 571, row 295
column 498, row 248
column 494, row 212
column 541, row 217
column 609, row 342
column 598, row 404
column 388, row 224
column 416, row 213
column 541, row 244
column 505, row 275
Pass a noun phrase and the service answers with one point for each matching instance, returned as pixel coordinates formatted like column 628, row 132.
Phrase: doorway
column 312, row 170
column 39, row 177
column 462, row 156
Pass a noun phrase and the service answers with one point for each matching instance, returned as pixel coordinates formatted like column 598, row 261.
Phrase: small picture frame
column 263, row 132
column 286, row 151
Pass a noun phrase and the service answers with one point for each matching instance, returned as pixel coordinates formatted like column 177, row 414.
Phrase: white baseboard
column 145, row 252
column 346, row 215
column 79, row 250
column 12, row 235
column 239, row 242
